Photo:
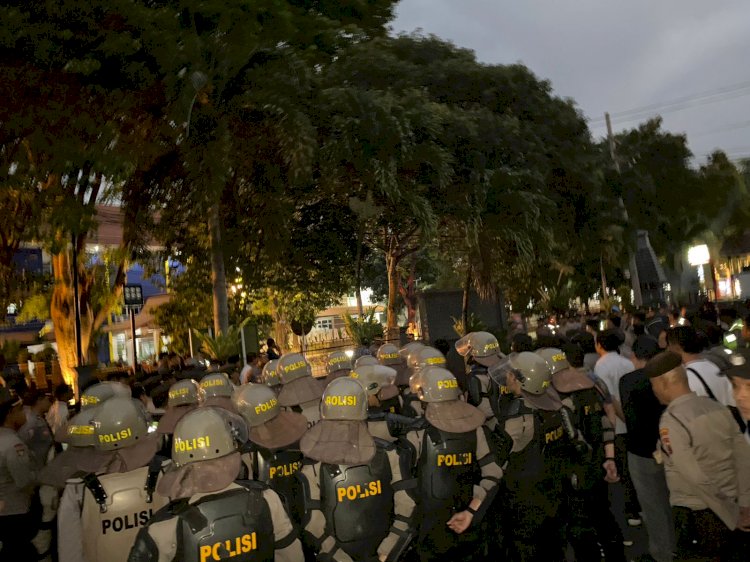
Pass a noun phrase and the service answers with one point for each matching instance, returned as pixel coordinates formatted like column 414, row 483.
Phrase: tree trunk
column 218, row 274
column 392, row 310
column 358, row 269
column 465, row 301
column 63, row 318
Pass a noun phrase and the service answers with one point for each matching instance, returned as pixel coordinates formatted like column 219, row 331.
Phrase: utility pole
column 632, row 266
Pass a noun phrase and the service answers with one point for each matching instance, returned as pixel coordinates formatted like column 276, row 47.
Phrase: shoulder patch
column 665, row 441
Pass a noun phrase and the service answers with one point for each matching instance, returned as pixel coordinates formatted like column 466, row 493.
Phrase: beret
column 662, row 363
column 741, row 368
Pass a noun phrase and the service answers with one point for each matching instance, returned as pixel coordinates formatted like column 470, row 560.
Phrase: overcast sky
column 615, row 55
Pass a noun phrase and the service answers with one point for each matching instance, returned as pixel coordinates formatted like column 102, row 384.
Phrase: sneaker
column 634, row 521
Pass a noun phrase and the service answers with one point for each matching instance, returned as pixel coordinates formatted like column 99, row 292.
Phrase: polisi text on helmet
column 341, row 401
column 266, row 406
column 183, row 445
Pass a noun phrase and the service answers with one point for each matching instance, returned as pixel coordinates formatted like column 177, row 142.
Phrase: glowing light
column 698, row 255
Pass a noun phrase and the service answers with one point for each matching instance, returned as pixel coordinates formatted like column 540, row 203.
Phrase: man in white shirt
column 704, row 376
column 610, row 368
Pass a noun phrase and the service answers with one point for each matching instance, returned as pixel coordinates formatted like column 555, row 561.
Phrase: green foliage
column 363, row 330
column 35, row 307
column 474, row 324
column 221, row 346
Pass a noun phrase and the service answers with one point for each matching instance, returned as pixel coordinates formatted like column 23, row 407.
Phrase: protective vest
column 279, row 470
column 588, row 416
column 114, row 508
column 543, row 463
column 500, row 398
column 234, row 525
column 357, row 502
column 447, row 470
column 479, row 390
column 411, row 405
column 392, row 405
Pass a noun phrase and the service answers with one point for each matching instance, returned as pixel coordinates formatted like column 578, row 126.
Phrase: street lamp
column 698, row 256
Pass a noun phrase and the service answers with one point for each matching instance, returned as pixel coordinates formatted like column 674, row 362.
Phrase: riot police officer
column 101, row 513
column 184, row 396
column 338, row 364
column 100, row 392
column 17, row 480
column 389, row 356
column 270, row 377
column 482, row 351
column 364, row 360
column 534, row 451
column 213, row 516
column 218, row 390
column 457, row 472
column 359, row 506
column 300, row 392
column 383, row 398
column 590, row 518
column 272, row 451
column 420, row 357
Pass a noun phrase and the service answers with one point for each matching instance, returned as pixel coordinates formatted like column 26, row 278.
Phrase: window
column 324, row 323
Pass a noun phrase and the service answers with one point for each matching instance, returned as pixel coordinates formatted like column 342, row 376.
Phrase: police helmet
column 103, row 391
column 425, row 357
column 217, row 385
column 80, row 431
column 257, row 404
column 406, row 350
column 478, row 345
column 374, row 377
column 531, row 371
column 118, row 425
column 555, row 358
column 184, row 393
column 291, row 367
column 365, row 360
column 388, row 355
column 202, row 435
column 270, row 376
column 338, row 361
column 438, row 385
column 344, row 399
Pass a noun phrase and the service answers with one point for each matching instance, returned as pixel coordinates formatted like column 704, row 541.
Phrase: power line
column 732, row 127
column 713, row 96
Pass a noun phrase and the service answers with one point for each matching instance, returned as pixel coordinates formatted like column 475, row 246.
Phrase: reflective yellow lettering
column 215, row 551
column 341, row 493
column 205, row 552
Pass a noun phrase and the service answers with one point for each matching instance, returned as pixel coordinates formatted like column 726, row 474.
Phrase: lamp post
column 699, row 256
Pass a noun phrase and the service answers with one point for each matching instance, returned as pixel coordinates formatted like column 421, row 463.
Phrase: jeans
column 653, row 494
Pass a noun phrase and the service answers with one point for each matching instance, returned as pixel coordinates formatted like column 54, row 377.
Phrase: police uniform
column 300, row 392
column 212, row 516
column 272, row 454
column 535, row 452
column 706, row 462
column 456, row 469
column 100, row 513
column 420, row 358
column 590, row 519
column 358, row 505
column 17, row 481
column 384, row 402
